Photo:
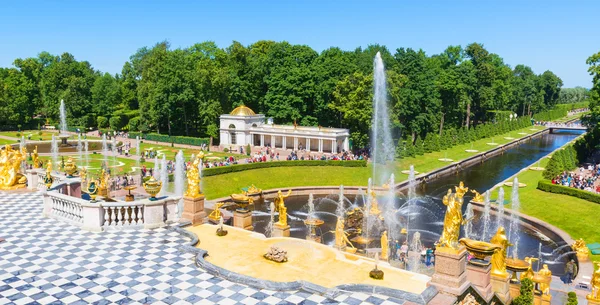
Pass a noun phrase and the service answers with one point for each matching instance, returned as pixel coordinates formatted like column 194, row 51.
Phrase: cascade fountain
column 104, row 150
column 500, row 205
column 486, row 216
column 54, row 149
column 415, row 252
column 513, row 231
column 87, row 156
column 469, row 225
column 382, row 146
column 80, row 149
column 164, row 175
column 179, row 179
column 156, row 170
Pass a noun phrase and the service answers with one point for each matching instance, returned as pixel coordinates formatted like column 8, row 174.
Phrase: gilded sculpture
column 582, row 250
column 341, row 237
column 461, row 190
column 595, row 283
column 545, row 286
column 374, row 205
column 529, row 273
column 193, row 178
column 37, row 163
column 499, row 257
column 10, row 166
column 384, row 246
column 70, row 167
column 453, row 218
column 477, row 197
column 215, row 215
column 280, row 206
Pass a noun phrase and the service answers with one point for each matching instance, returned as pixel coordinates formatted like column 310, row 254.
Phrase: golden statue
column 70, row 167
column 461, row 190
column 529, row 273
column 478, row 197
column 595, row 283
column 280, row 206
column 10, row 165
column 341, row 237
column 104, row 177
column 499, row 256
column 254, row 190
column 545, row 286
column 384, row 246
column 193, row 178
column 582, row 250
column 374, row 205
column 215, row 215
column 452, row 220
column 37, row 163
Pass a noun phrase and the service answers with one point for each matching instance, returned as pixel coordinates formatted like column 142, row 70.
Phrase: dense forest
column 183, row 91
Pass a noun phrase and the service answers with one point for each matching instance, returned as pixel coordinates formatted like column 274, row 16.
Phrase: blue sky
column 545, row 35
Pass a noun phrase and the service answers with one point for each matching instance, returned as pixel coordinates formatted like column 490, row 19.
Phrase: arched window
column 232, row 134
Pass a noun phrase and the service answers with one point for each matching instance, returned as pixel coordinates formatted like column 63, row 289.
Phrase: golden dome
column 242, row 111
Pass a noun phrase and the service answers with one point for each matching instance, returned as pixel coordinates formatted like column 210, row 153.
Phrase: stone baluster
column 114, row 216
column 106, row 217
column 127, row 215
column 120, row 216
column 139, row 215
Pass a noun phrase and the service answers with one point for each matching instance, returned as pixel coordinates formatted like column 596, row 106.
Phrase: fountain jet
column 179, row 179
column 486, row 216
column 513, row 232
column 500, row 204
column 382, row 146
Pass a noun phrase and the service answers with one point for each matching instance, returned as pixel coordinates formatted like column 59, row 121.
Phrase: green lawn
column 5, row 141
column 569, row 118
column 170, row 152
column 226, row 184
column 35, row 136
column 577, row 217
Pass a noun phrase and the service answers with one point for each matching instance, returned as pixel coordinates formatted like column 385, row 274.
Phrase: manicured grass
column 46, row 135
column 572, row 117
column 5, row 141
column 170, row 152
column 226, row 184
column 577, row 217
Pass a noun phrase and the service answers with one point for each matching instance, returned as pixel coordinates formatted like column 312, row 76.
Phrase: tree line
column 183, row 91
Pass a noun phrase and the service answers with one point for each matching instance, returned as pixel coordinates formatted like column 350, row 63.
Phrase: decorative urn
column 70, row 167
column 92, row 189
column 152, row 187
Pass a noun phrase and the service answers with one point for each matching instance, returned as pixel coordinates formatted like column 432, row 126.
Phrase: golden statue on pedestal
column 545, row 285
column 280, row 206
column 215, row 215
column 10, row 165
column 478, row 197
column 499, row 257
column 384, row 246
column 374, row 204
column 529, row 273
column 37, row 163
column 583, row 253
column 341, row 237
column 595, row 283
column 453, row 219
column 193, row 178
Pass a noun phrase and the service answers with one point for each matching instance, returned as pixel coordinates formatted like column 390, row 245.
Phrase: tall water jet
column 22, row 143
column 269, row 229
column 310, row 216
column 486, row 216
column 138, row 153
column 179, row 179
column 80, row 149
column 388, row 210
column 412, row 195
column 340, row 210
column 539, row 256
column 382, row 146
column 54, row 150
column 513, row 232
column 87, row 156
column 63, row 118
column 500, row 205
column 156, row 170
column 104, row 150
column 469, row 225
column 114, row 150
column 201, row 173
column 164, row 175
column 414, row 254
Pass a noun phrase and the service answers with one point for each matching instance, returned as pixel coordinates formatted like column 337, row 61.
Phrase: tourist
column 570, row 272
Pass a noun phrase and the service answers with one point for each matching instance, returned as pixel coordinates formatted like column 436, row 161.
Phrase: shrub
column 248, row 149
column 18, row 134
column 102, row 122
column 572, row 298
column 249, row 166
column 547, row 186
column 226, row 150
column 40, row 133
column 173, row 139
column 526, row 296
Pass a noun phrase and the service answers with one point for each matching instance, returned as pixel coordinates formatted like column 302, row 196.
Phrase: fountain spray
column 79, row 149
column 500, row 204
column 164, row 175
column 179, row 179
column 412, row 195
column 114, row 150
column 340, row 211
column 201, row 173
column 104, row 150
column 382, row 146
column 269, row 229
column 54, row 149
column 87, row 156
column 486, row 215
column 310, row 216
column 415, row 247
column 513, row 233
column 469, row 225
column 63, row 118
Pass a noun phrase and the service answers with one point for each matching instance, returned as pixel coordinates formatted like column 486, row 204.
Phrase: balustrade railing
column 67, row 208
column 119, row 215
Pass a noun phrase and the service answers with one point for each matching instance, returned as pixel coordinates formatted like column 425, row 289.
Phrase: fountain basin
column 45, row 147
column 309, row 261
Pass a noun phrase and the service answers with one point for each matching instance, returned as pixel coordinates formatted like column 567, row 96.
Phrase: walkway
column 44, row 261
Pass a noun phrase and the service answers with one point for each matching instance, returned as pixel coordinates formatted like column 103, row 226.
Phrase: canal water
column 427, row 213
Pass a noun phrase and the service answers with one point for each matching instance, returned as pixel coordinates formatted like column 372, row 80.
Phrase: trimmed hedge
column 547, row 186
column 243, row 167
column 166, row 139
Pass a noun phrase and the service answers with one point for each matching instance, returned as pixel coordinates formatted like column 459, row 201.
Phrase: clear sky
column 543, row 34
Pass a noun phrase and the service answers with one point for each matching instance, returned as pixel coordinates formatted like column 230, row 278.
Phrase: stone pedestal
column 542, row 299
column 479, row 276
column 450, row 275
column 193, row 209
column 514, row 290
column 242, row 219
column 102, row 192
column 501, row 286
column 32, row 179
column 281, row 231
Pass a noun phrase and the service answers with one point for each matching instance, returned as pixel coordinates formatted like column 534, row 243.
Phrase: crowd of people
column 585, row 179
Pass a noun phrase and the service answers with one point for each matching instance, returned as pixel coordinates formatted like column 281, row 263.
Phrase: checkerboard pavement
column 45, row 261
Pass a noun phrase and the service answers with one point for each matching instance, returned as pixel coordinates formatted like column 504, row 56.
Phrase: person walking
column 570, row 272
